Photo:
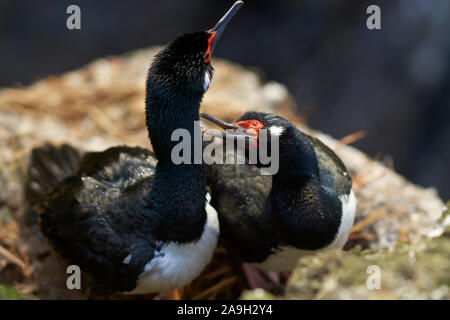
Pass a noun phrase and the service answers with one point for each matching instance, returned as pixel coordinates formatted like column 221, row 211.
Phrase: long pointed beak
column 222, row 24
column 238, row 133
column 220, row 123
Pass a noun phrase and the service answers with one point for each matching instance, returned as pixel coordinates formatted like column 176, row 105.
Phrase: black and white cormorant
column 271, row 221
column 132, row 220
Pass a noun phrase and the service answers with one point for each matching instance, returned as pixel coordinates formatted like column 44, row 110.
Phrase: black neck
column 304, row 212
column 298, row 161
column 168, row 109
column 178, row 191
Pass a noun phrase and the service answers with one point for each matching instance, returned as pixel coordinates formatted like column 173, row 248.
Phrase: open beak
column 222, row 24
column 234, row 132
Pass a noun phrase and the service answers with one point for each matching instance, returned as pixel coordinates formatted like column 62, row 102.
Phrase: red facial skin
column 207, row 55
column 255, row 125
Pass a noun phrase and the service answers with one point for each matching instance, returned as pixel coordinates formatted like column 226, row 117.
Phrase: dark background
column 393, row 83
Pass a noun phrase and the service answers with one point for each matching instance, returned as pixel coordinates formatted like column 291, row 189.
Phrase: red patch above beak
column 208, row 54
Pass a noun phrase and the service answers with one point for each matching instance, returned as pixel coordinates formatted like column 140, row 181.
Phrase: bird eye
column 255, row 124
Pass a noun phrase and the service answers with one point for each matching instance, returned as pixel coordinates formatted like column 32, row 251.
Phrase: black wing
column 90, row 218
column 241, row 197
column 333, row 173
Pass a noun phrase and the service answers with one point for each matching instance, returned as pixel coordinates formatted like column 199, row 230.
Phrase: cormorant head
column 185, row 64
column 249, row 126
column 262, row 138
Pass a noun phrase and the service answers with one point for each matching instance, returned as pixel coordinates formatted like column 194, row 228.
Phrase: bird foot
column 268, row 280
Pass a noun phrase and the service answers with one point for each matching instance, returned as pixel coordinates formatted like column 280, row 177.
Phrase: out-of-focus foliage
column 8, row 293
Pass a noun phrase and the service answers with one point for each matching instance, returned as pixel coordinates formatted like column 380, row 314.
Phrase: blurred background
column 392, row 83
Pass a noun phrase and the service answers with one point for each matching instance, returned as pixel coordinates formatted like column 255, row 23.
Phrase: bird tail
column 49, row 166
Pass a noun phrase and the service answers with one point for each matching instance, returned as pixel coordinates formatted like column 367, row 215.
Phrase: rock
column 102, row 104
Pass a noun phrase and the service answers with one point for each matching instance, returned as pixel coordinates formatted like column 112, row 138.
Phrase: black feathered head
column 185, row 64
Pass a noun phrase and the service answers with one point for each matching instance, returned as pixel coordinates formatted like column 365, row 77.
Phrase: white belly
column 286, row 257
column 176, row 265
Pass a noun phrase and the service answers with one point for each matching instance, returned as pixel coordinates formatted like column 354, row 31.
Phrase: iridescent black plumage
column 91, row 216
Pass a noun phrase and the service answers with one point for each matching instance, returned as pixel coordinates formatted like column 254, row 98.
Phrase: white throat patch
column 207, row 80
column 276, row 130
